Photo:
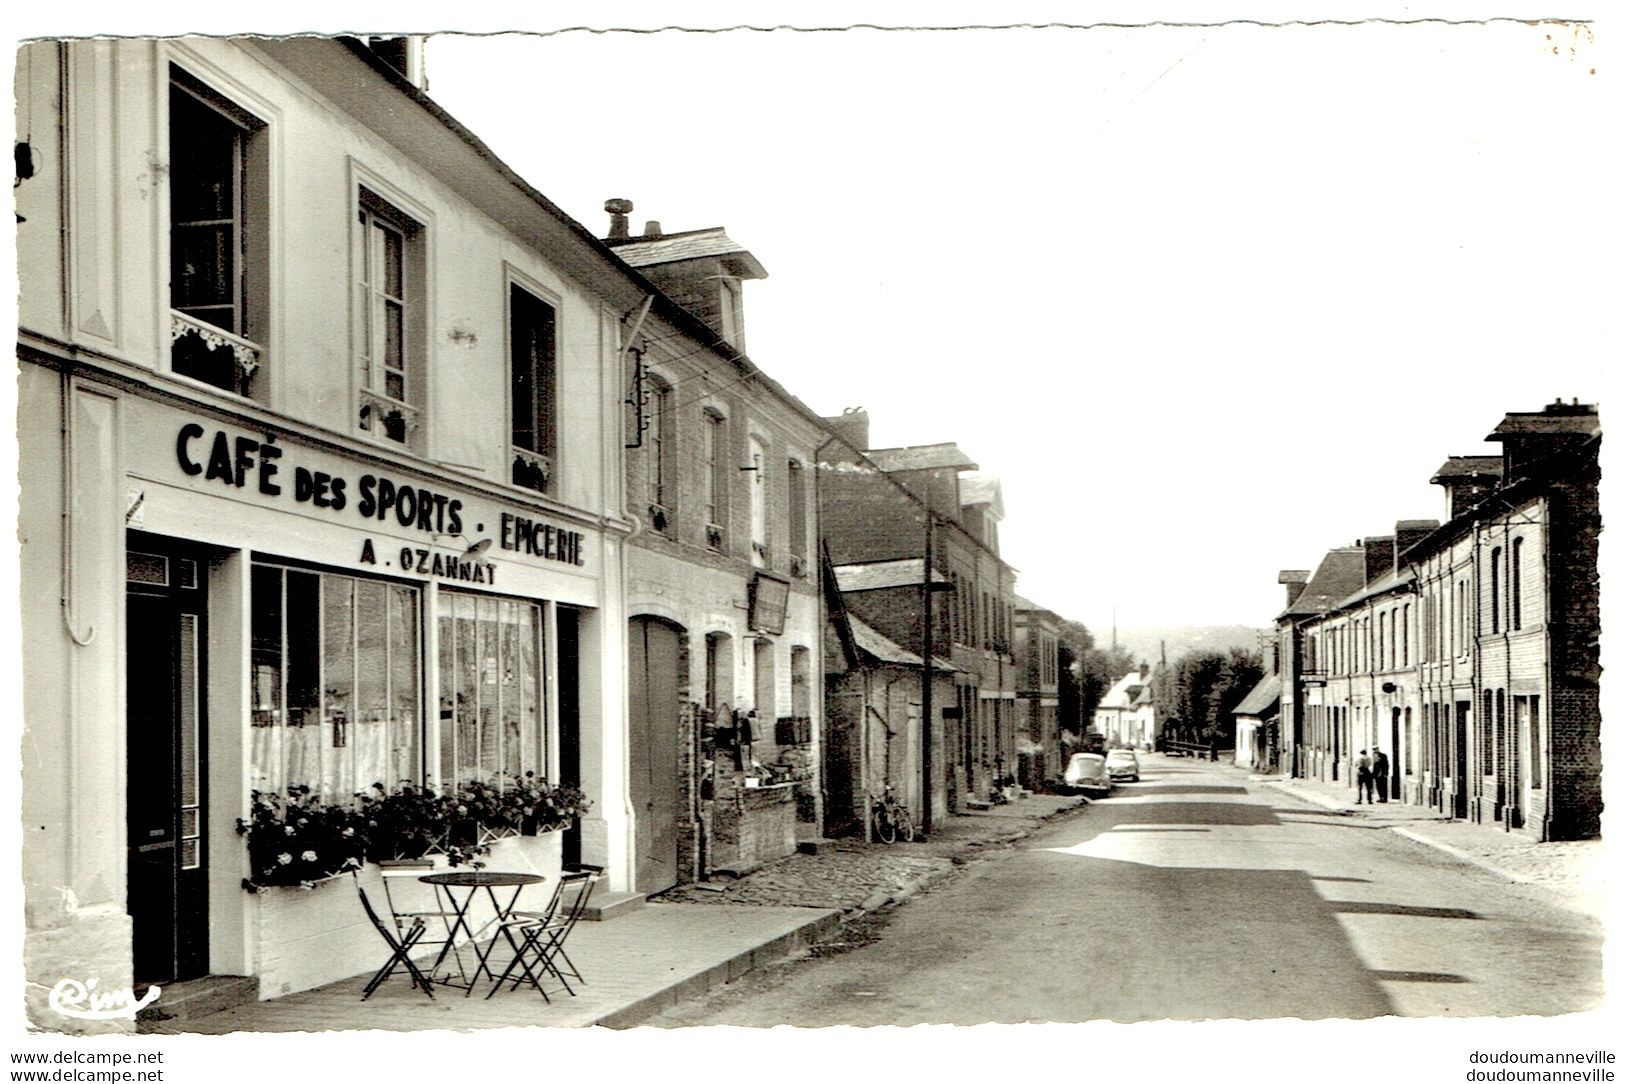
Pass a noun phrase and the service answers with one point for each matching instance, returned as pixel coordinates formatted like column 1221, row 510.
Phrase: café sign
column 250, row 464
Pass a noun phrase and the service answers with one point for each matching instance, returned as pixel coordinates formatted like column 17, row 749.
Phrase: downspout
column 69, row 622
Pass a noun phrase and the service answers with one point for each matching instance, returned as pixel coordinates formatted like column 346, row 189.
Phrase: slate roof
column 1263, row 696
column 1383, row 583
column 1341, row 573
column 1467, row 466
column 906, row 572
column 921, row 457
column 689, row 245
column 885, row 650
column 1577, row 421
column 1124, row 691
column 976, row 488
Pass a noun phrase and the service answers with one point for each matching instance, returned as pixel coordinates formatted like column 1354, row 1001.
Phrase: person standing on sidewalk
column 1379, row 772
column 1362, row 769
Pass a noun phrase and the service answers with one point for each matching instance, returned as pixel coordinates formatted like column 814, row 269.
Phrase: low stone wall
column 753, row 826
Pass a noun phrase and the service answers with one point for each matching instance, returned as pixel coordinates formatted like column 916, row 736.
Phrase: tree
column 1097, row 670
column 1199, row 692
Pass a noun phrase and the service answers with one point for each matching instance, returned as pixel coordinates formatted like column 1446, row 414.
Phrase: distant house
column 1115, row 714
column 1257, row 725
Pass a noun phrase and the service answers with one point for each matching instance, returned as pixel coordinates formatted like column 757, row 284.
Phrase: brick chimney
column 851, row 426
column 1295, row 580
column 1407, row 533
column 1379, row 556
column 619, row 228
column 1526, row 439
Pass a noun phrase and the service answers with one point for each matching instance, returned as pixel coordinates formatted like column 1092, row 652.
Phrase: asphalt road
column 1192, row 895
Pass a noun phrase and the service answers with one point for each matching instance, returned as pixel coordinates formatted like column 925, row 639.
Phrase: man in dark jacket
column 1379, row 772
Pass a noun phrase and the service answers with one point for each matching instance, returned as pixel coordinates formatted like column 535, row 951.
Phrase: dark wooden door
column 165, row 757
column 1463, row 711
column 569, row 655
column 652, row 657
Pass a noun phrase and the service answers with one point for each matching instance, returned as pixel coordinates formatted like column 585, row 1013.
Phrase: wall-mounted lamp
column 477, row 549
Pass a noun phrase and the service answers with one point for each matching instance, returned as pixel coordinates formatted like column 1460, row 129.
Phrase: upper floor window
column 1495, row 589
column 798, row 516
column 759, row 554
column 1516, row 576
column 217, row 245
column 657, row 460
column 714, row 477
column 391, row 332
column 532, row 377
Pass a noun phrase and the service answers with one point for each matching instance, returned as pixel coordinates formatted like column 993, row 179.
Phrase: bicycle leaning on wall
column 891, row 819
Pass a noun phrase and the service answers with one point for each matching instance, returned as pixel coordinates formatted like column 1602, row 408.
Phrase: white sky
column 1208, row 300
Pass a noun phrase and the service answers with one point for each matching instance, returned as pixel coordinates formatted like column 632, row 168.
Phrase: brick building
column 1038, row 684
column 875, row 507
column 1467, row 651
column 725, row 618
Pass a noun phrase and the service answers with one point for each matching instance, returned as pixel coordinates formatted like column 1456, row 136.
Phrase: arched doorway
column 653, row 655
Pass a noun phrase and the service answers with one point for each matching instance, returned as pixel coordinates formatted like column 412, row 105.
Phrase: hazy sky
column 1208, row 300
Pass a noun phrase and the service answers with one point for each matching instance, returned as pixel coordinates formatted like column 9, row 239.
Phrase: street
column 1192, row 895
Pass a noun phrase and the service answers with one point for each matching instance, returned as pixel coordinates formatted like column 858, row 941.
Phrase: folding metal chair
column 400, row 945
column 540, row 950
column 410, row 901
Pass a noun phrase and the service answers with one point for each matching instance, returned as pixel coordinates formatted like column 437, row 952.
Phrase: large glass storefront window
column 335, row 683
column 490, row 688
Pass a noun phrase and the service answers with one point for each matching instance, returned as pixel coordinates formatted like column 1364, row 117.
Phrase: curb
column 819, row 928
column 1463, row 856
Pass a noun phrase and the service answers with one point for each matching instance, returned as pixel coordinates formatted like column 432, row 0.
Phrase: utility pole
column 927, row 677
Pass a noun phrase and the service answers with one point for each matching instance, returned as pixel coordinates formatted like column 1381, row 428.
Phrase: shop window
column 532, row 388
column 491, row 715
column 335, row 684
column 391, row 332
column 218, row 218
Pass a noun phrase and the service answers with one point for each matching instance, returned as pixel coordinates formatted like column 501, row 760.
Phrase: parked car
column 1086, row 772
column 1123, row 764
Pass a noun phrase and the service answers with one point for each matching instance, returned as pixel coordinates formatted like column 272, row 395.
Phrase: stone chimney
column 1379, row 556
column 851, row 426
column 651, row 228
column 1407, row 533
column 1295, row 580
column 618, row 209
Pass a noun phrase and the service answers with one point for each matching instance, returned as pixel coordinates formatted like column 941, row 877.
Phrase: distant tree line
column 1088, row 672
column 1196, row 695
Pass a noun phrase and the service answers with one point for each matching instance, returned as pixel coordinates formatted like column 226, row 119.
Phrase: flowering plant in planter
column 294, row 840
column 297, row 841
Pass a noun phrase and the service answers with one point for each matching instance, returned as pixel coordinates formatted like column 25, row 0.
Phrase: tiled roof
column 1468, row 466
column 885, row 650
column 1575, row 420
column 1264, row 696
column 1122, row 693
column 1385, row 582
column 1341, row 573
column 921, row 457
column 689, row 245
column 872, row 577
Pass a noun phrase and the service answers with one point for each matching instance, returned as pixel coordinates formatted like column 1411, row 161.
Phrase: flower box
column 302, row 938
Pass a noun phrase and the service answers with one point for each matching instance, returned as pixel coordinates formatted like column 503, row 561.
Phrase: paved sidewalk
column 1573, row 870
column 679, row 946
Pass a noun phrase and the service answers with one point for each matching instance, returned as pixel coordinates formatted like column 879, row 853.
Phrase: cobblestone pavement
column 850, row 875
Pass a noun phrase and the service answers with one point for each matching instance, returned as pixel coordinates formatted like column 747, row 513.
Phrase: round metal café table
column 473, row 881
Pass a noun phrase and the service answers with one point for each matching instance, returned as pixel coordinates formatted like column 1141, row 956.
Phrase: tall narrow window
column 662, row 426
column 491, row 712
column 714, row 475
column 532, row 376
column 217, row 222
column 798, row 517
column 1517, row 583
column 759, row 554
column 391, row 320
column 1405, row 637
column 1495, row 589
column 334, row 683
